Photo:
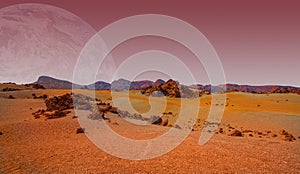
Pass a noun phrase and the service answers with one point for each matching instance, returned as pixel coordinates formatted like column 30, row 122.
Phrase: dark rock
column 236, row 133
column 80, row 130
column 164, row 122
column 57, row 114
column 283, row 132
column 11, row 97
column 287, row 135
column 104, row 107
column 177, row 126
column 9, row 89
column 155, row 119
column 59, row 103
column 114, row 110
column 273, row 135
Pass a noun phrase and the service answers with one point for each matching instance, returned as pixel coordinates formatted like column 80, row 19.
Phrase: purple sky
column 258, row 42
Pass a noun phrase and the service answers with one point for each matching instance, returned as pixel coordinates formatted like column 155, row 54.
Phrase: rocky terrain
column 170, row 88
column 257, row 134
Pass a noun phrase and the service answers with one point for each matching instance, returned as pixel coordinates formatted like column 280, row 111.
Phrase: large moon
column 39, row 39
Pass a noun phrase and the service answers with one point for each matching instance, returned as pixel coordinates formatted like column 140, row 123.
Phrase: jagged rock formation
column 170, row 88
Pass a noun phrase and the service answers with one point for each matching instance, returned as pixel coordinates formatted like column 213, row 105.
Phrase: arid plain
column 30, row 145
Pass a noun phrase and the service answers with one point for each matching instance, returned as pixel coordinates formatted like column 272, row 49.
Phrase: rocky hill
column 52, row 83
column 170, row 88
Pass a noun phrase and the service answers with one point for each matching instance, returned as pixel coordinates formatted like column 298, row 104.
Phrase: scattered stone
column 155, row 120
column 283, row 132
column 104, row 107
column 11, row 97
column 80, row 130
column 9, row 89
column 96, row 115
column 221, row 130
column 40, row 97
column 74, row 117
column 247, row 131
column 287, row 135
column 57, row 114
column 164, row 122
column 273, row 135
column 177, row 126
column 236, row 133
column 114, row 110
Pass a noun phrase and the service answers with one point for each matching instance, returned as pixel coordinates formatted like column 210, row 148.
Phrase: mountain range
column 122, row 84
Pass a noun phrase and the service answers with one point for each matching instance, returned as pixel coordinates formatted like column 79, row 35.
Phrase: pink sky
column 258, row 42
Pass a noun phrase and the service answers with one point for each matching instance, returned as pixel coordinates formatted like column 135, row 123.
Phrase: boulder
column 80, row 130
column 236, row 133
column 155, row 120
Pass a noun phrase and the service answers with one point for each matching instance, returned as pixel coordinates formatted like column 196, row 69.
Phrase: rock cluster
column 170, row 88
column 59, row 102
column 56, row 107
column 9, row 89
column 44, row 96
column 286, row 135
column 35, row 86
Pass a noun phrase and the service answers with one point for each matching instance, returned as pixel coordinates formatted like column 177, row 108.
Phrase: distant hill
column 248, row 88
column 52, row 83
column 122, row 84
column 100, row 85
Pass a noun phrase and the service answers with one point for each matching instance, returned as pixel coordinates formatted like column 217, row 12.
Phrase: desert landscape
column 149, row 86
column 42, row 133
